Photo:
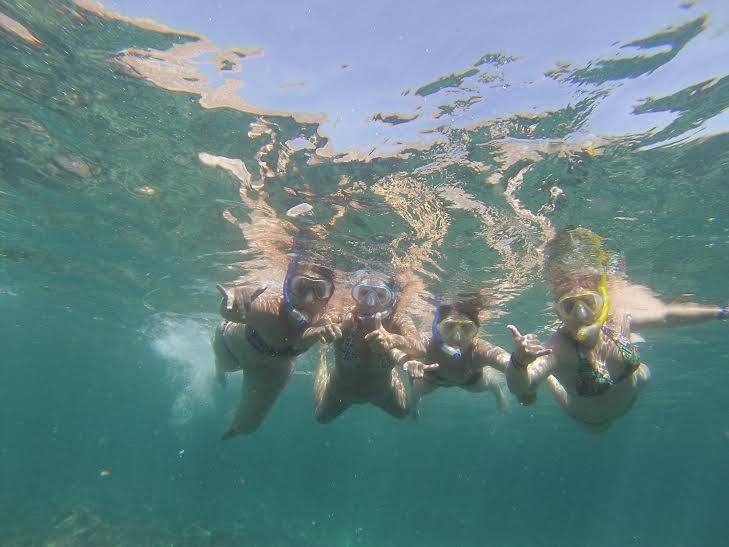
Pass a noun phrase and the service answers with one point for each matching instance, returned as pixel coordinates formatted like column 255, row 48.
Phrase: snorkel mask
column 373, row 296
column 453, row 335
column 304, row 286
column 587, row 307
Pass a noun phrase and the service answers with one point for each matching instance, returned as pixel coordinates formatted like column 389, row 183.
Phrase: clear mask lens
column 582, row 306
column 380, row 297
column 456, row 331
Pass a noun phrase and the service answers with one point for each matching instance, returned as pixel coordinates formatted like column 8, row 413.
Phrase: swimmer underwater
column 594, row 371
column 262, row 334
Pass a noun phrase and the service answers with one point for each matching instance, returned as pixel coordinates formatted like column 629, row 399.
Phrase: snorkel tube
column 453, row 353
column 299, row 317
column 588, row 334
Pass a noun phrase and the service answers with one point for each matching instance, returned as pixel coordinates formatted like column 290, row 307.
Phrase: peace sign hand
column 236, row 302
column 526, row 348
column 379, row 339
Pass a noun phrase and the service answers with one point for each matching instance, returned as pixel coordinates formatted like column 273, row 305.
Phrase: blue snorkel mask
column 316, row 285
column 375, row 296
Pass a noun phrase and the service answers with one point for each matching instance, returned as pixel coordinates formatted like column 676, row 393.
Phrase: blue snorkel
column 453, row 353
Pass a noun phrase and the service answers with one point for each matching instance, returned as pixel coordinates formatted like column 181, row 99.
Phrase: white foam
column 184, row 343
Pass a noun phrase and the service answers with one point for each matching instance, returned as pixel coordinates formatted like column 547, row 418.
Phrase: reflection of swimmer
column 595, row 371
column 456, row 357
column 262, row 334
column 363, row 370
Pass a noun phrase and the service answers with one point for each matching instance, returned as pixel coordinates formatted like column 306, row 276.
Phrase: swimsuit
column 261, row 346
column 433, row 377
column 345, row 350
column 592, row 381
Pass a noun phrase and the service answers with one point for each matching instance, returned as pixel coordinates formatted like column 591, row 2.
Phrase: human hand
column 417, row 369
column 379, row 339
column 526, row 348
column 236, row 302
column 329, row 333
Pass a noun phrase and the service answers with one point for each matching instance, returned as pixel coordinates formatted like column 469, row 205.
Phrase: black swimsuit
column 434, row 378
column 261, row 346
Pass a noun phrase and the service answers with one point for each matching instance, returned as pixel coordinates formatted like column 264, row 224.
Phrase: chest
column 353, row 352
column 456, row 370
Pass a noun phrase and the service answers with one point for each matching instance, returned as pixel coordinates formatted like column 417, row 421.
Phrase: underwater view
column 364, row 273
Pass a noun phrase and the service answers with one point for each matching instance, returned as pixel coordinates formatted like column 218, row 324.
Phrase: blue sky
column 390, row 46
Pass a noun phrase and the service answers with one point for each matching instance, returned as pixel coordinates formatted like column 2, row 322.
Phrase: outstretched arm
column 647, row 311
column 485, row 354
column 406, row 336
column 403, row 337
column 674, row 315
column 523, row 381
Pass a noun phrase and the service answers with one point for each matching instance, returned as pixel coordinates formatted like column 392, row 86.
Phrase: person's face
column 372, row 297
column 579, row 307
column 457, row 330
column 310, row 291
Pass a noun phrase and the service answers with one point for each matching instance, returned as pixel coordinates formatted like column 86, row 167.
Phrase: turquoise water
column 113, row 235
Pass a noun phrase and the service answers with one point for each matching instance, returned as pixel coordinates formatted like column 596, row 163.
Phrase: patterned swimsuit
column 591, row 380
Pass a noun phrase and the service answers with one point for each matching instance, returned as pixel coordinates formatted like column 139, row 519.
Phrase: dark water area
column 114, row 231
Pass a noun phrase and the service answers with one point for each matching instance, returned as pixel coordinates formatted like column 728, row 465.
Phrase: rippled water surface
column 447, row 141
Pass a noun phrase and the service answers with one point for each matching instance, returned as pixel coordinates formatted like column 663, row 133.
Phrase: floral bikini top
column 594, row 380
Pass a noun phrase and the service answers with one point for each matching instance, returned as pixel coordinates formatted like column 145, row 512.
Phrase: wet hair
column 470, row 307
column 575, row 256
column 306, row 259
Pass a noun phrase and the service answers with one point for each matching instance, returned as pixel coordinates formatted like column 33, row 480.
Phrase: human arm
column 647, row 311
column 404, row 337
column 675, row 315
column 485, row 354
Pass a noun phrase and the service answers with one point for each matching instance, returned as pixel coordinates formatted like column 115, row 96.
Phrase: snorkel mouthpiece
column 300, row 317
column 452, row 352
column 588, row 334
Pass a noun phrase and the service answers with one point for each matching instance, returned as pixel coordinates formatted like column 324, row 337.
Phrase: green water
column 107, row 304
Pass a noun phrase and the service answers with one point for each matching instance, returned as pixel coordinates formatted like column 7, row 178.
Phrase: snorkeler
column 363, row 370
column 455, row 357
column 594, row 370
column 263, row 335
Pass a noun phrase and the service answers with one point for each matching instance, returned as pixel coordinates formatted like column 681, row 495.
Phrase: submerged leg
column 394, row 400
column 261, row 387
column 491, row 380
column 420, row 387
column 225, row 361
column 328, row 404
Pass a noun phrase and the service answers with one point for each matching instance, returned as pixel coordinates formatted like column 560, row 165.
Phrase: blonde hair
column 575, row 256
